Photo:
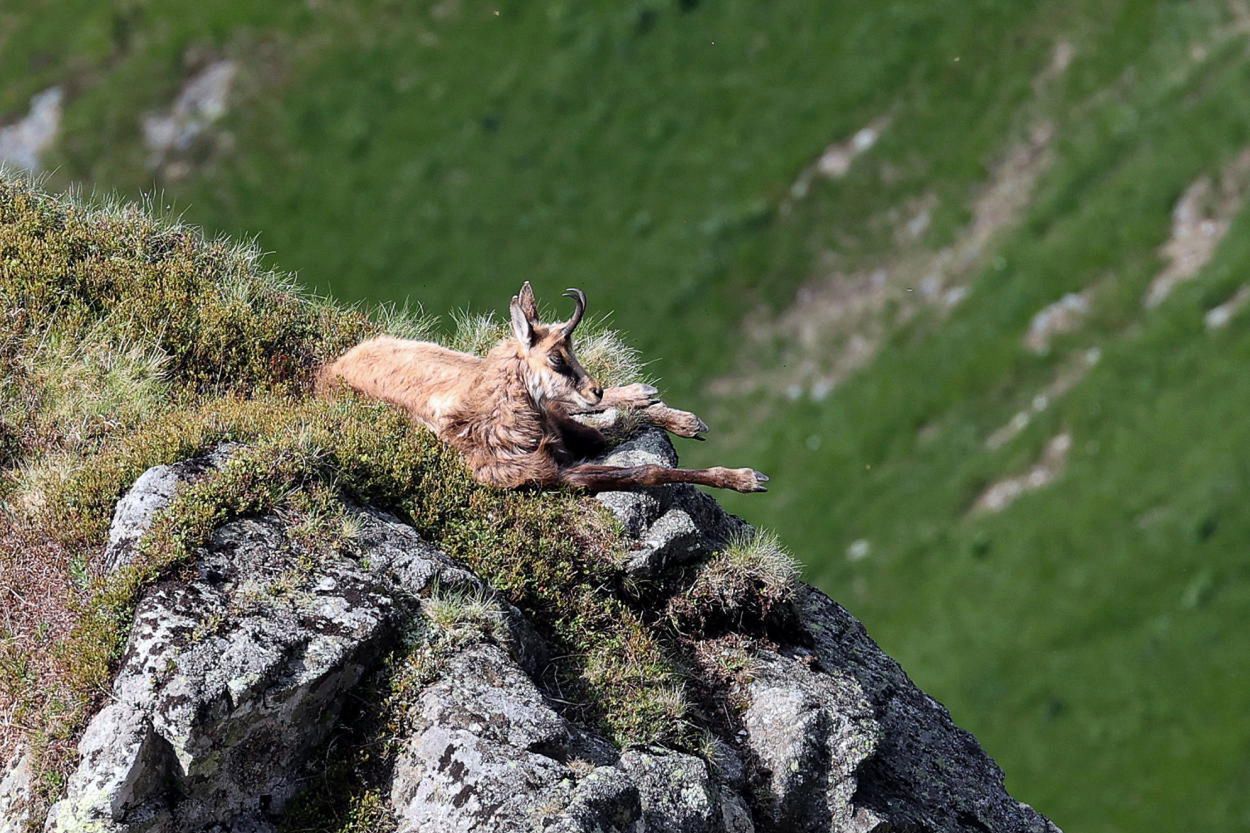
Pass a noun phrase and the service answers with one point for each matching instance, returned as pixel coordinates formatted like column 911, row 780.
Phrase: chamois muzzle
column 579, row 299
column 593, row 394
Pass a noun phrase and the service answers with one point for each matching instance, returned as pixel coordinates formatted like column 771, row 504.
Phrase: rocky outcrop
column 234, row 679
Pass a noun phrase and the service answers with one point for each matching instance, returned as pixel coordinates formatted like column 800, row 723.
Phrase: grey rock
column 485, row 751
column 16, row 787
column 226, row 686
column 244, row 825
column 234, row 679
column 649, row 447
column 672, row 539
column 150, row 493
column 637, row 510
column 122, row 765
column 669, row 525
column 809, row 733
column 133, row 515
column 735, row 814
column 725, row 761
column 245, row 705
column 231, row 680
column 605, row 801
column 717, row 526
column 388, row 544
column 676, row 791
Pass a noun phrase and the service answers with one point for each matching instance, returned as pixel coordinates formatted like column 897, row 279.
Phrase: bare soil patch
column 170, row 135
column 1049, row 466
column 1067, row 378
column 837, row 323
column 1200, row 220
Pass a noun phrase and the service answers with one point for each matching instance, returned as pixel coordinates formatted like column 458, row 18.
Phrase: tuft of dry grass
column 751, row 580
column 463, row 616
column 406, row 321
column 89, row 386
column 608, row 357
column 476, row 333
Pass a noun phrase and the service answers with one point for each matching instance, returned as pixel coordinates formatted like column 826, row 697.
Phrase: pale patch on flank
column 440, row 405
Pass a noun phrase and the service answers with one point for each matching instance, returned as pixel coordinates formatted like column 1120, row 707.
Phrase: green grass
column 1089, row 634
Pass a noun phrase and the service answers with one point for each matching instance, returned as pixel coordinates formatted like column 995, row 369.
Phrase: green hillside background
column 860, row 336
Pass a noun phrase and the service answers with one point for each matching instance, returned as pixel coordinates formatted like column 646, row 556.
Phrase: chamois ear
column 528, row 305
column 521, row 326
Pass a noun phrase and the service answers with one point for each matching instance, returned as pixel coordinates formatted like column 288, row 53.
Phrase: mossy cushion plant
column 131, row 342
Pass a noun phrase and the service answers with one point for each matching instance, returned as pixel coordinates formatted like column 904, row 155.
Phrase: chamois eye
column 557, row 364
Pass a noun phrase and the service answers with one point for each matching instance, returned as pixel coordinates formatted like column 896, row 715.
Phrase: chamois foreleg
column 636, row 395
column 681, row 423
column 597, row 478
column 641, row 400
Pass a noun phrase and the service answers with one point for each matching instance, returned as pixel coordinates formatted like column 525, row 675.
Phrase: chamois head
column 552, row 371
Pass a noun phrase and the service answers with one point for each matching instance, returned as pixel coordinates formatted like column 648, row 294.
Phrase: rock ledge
column 233, row 681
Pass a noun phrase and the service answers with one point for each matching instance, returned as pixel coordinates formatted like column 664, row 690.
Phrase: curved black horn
column 579, row 298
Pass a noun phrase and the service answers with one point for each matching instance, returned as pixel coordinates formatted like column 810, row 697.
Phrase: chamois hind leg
column 596, row 478
column 536, row 469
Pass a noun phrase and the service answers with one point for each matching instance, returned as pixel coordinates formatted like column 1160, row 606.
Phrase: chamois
column 510, row 413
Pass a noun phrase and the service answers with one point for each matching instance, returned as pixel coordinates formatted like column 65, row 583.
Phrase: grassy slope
column 641, row 151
